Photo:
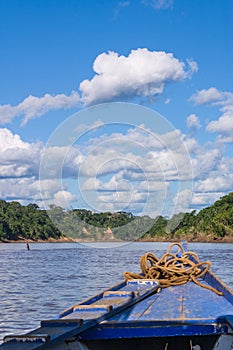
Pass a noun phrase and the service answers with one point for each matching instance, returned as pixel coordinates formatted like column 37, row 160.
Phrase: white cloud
column 33, row 107
column 193, row 122
column 159, row 4
column 224, row 124
column 55, row 159
column 123, row 176
column 132, row 170
column 124, row 201
column 63, row 199
column 200, row 200
column 84, row 128
column 142, row 73
column 213, row 175
column 120, row 6
column 26, row 188
column 206, row 96
column 115, row 184
column 139, row 154
column 206, row 161
column 217, row 183
column 193, row 66
column 181, row 201
column 217, row 176
column 17, row 157
column 191, row 145
column 19, row 170
column 118, row 183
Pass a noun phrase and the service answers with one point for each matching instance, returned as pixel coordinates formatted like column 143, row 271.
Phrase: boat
column 175, row 303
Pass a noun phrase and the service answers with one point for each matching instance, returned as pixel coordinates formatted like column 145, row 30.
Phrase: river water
column 37, row 284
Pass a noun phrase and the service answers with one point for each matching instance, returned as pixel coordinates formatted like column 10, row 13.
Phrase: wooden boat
column 138, row 314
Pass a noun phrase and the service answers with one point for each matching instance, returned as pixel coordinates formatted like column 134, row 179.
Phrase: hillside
column 19, row 222
column 212, row 223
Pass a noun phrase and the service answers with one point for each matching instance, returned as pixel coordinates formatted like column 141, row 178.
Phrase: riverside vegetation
column 29, row 222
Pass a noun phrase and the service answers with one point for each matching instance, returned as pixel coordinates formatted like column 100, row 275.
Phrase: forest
column 30, row 223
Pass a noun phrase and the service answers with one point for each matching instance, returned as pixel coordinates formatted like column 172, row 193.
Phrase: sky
column 116, row 105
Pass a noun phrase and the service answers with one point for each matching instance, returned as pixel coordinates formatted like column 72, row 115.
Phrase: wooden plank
column 59, row 332
column 203, row 304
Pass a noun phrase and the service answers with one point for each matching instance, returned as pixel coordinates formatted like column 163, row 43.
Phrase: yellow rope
column 173, row 269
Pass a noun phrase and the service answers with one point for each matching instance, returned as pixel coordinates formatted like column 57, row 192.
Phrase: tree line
column 29, row 222
column 19, row 222
column 211, row 223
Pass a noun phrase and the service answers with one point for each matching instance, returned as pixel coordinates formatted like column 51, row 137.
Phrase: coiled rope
column 173, row 269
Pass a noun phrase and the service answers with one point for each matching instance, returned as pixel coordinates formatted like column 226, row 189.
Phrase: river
column 38, row 283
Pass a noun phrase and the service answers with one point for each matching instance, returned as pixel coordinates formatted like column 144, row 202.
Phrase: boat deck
column 192, row 303
column 196, row 310
column 139, row 311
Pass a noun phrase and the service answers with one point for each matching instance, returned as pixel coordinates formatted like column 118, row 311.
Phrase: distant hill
column 19, row 222
column 212, row 223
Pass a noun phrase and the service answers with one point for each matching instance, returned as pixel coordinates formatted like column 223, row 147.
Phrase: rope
column 173, row 269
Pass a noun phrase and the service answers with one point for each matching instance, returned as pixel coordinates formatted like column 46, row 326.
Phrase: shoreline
column 227, row 239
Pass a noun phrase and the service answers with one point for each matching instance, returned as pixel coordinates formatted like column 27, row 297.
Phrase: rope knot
column 173, row 269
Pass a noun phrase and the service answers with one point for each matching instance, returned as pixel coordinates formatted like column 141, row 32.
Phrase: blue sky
column 62, row 57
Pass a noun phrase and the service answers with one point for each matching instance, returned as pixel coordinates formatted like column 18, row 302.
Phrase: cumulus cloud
column 142, row 73
column 57, row 158
column 205, row 161
column 182, row 200
column 122, row 175
column 25, row 189
column 224, row 124
column 205, row 199
column 213, row 177
column 19, row 170
column 33, row 107
column 63, row 199
column 138, row 154
column 130, row 175
column 132, row 170
column 17, row 157
column 219, row 183
column 206, row 96
column 193, row 122
column 113, row 185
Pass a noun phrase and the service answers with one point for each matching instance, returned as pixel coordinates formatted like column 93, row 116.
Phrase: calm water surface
column 39, row 283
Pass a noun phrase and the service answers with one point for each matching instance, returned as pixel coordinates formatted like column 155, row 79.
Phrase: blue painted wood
column 150, row 330
column 181, row 303
column 211, row 279
column 82, row 316
column 200, row 303
column 137, row 309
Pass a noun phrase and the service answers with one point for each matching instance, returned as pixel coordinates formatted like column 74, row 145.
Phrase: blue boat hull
column 137, row 315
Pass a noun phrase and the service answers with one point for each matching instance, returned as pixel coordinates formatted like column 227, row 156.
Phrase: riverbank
column 201, row 239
